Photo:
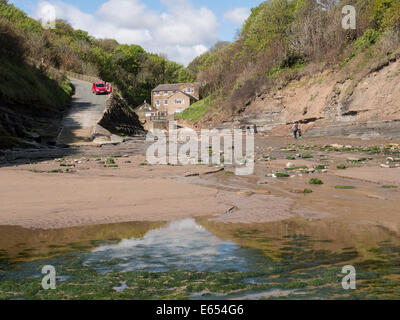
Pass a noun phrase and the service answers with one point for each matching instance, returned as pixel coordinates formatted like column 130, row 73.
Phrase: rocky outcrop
column 25, row 126
column 120, row 119
column 327, row 104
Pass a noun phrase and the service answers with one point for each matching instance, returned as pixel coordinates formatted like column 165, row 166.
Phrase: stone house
column 174, row 98
column 145, row 111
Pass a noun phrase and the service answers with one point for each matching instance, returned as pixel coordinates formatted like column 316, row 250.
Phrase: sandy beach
column 100, row 189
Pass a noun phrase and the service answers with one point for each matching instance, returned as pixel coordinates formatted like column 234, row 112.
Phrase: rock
column 262, row 182
column 188, row 174
column 385, row 166
column 263, row 191
column 297, row 191
column 374, row 196
column 9, row 155
column 390, row 159
column 244, row 193
column 311, row 170
column 336, row 146
column 290, row 165
column 324, row 171
column 232, row 209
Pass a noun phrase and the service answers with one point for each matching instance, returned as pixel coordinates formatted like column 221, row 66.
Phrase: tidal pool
column 201, row 259
column 181, row 245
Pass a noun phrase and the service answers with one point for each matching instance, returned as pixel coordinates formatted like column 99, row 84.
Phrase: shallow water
column 201, row 259
column 181, row 245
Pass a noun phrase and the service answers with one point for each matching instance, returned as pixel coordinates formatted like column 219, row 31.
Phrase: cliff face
column 32, row 103
column 21, row 126
column 328, row 104
column 120, row 119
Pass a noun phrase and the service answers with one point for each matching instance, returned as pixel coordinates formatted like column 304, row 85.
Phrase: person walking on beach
column 295, row 129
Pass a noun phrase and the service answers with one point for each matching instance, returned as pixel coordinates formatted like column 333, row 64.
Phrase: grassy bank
column 196, row 110
column 23, row 84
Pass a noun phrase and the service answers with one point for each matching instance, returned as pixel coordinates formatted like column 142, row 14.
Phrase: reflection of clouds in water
column 181, row 245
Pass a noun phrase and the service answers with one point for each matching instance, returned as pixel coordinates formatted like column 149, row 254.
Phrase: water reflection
column 18, row 244
column 181, row 245
column 199, row 258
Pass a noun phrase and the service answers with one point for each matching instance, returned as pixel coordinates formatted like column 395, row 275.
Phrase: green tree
column 130, row 58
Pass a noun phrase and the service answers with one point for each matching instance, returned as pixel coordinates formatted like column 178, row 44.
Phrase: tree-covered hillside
column 134, row 71
column 282, row 40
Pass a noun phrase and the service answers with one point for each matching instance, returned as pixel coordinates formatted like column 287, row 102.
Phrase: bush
column 316, row 181
column 282, row 175
column 391, row 20
column 13, row 44
column 369, row 38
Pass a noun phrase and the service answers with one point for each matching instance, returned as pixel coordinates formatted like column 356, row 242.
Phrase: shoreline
column 70, row 192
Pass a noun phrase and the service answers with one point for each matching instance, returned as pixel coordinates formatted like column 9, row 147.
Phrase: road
column 82, row 118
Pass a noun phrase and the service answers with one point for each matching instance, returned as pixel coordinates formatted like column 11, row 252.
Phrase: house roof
column 171, row 86
column 186, row 94
column 167, row 87
column 146, row 107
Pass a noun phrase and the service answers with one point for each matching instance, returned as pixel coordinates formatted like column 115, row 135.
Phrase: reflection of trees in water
column 20, row 244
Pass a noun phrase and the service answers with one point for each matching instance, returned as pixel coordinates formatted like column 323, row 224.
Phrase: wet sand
column 70, row 192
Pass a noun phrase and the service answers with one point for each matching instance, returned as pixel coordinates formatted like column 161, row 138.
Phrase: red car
column 101, row 88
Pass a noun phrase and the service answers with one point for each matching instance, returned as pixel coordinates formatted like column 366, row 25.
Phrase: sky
column 179, row 29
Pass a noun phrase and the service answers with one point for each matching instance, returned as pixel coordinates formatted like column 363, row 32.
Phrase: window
column 165, row 102
column 179, row 101
column 165, row 93
column 158, row 103
column 157, row 93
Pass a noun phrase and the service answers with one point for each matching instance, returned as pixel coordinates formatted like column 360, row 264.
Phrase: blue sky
column 181, row 29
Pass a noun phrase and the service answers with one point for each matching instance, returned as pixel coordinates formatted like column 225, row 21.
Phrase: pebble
column 290, row 165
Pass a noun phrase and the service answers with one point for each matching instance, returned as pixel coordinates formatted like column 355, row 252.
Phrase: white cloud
column 181, row 31
column 237, row 15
